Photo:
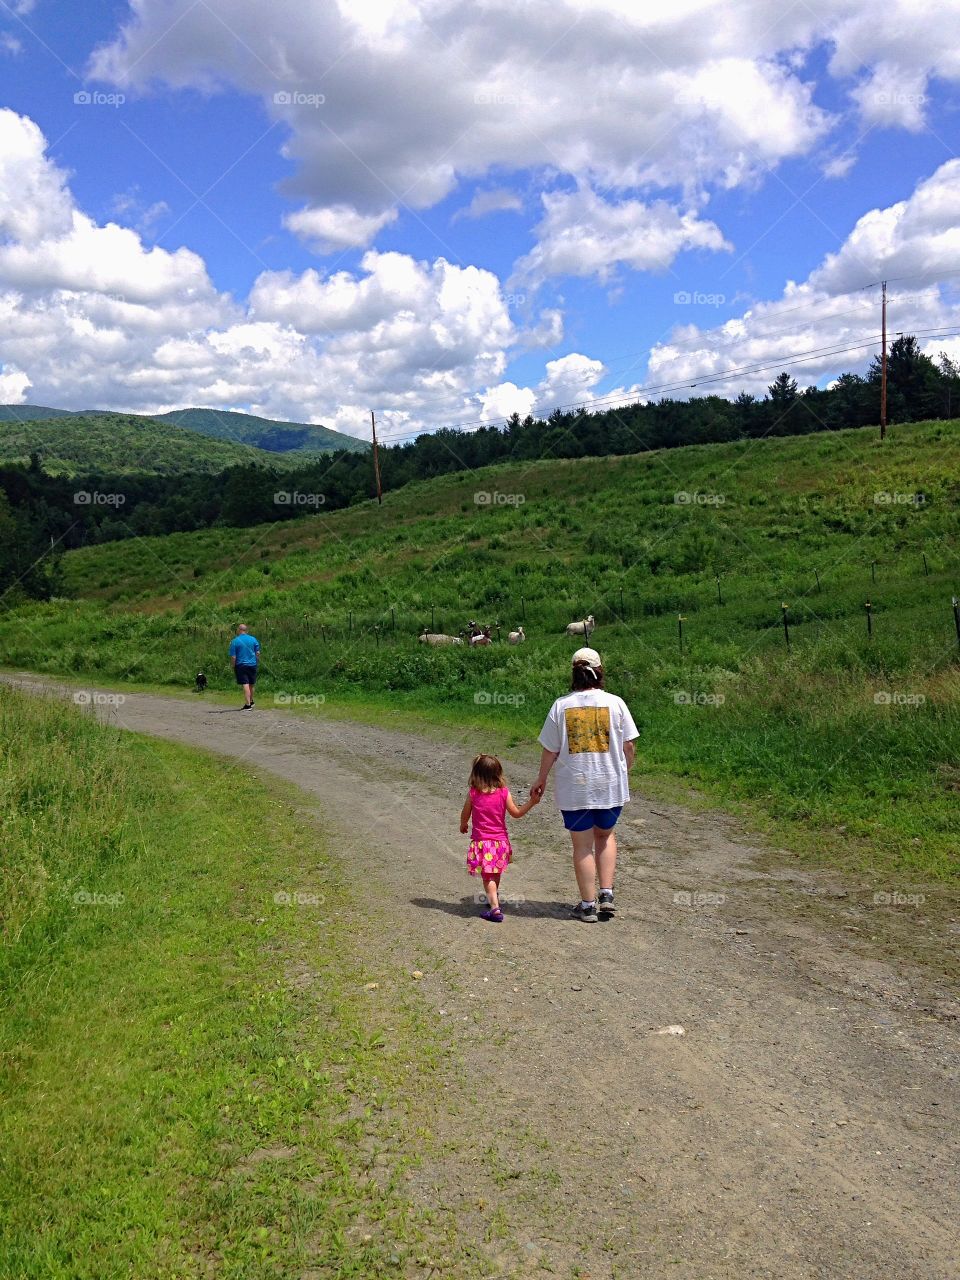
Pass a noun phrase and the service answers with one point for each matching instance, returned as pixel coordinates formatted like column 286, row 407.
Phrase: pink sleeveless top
column 489, row 814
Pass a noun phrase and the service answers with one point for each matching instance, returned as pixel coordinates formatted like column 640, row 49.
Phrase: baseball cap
column 589, row 656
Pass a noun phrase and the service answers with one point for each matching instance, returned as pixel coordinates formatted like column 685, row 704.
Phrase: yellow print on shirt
column 588, row 729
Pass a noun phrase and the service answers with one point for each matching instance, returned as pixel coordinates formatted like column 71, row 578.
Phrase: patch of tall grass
column 68, row 805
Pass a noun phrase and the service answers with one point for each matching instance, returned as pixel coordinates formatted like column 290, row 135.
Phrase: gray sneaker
column 605, row 904
column 587, row 914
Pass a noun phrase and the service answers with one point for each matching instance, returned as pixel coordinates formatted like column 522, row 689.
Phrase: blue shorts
column 246, row 674
column 587, row 819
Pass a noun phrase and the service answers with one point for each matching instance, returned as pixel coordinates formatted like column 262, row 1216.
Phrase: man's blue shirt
column 245, row 649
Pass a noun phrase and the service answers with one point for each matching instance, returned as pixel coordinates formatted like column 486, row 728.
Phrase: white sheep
column 582, row 628
column 517, row 637
column 435, row 637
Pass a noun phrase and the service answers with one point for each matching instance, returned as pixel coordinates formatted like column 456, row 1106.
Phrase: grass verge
column 196, row 1079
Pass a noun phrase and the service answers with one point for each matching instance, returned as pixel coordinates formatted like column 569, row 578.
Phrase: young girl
column 489, row 802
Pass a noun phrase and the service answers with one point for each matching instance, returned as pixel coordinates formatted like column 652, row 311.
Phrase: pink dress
column 490, row 850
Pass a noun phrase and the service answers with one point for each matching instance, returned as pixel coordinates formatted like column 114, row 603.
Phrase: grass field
column 192, row 1078
column 852, row 737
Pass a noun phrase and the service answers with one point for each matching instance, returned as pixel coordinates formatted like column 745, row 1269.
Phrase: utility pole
column 883, row 363
column 376, row 457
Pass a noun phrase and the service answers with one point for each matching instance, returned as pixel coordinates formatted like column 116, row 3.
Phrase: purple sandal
column 492, row 913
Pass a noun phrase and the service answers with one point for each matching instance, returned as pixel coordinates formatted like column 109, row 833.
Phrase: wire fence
column 874, row 594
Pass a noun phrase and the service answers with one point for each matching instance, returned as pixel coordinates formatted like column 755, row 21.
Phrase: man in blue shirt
column 244, row 656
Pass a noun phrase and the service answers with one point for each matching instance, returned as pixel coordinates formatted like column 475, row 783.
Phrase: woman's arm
column 465, row 813
column 547, row 760
column 518, row 811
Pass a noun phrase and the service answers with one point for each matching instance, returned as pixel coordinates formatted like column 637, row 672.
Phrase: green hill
column 119, row 444
column 217, row 424
column 31, row 413
column 849, row 736
column 263, row 433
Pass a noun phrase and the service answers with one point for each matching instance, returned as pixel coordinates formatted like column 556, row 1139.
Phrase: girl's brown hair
column 583, row 677
column 487, row 774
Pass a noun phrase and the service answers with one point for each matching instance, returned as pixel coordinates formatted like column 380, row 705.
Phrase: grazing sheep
column 434, row 637
column 583, row 628
column 481, row 637
column 516, row 637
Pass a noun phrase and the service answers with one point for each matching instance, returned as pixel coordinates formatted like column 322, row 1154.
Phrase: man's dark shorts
column 245, row 674
column 587, row 819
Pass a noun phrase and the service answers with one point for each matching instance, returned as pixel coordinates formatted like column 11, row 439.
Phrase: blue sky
column 715, row 155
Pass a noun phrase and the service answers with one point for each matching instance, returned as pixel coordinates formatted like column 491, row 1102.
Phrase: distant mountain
column 30, row 412
column 263, row 433
column 218, row 424
column 117, row 443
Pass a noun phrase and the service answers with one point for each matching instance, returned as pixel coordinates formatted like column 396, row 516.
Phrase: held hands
column 536, row 792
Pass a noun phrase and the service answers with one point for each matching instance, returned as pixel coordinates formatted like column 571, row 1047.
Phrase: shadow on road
column 469, row 906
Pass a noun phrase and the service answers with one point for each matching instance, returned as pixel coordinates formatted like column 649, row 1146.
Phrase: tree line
column 42, row 515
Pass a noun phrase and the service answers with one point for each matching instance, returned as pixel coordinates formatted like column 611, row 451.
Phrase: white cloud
column 13, row 385
column 839, row 166
column 90, row 316
column 950, row 347
column 499, row 402
column 892, row 96
column 498, row 200
column 34, row 201
column 397, row 101
column 132, row 208
column 394, row 102
column 569, row 380
column 911, row 243
column 896, row 48
column 10, row 44
column 546, row 332
column 918, row 235
column 106, row 260
column 583, row 235
column 337, row 227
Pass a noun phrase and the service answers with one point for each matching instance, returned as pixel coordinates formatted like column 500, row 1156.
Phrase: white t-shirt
column 589, row 729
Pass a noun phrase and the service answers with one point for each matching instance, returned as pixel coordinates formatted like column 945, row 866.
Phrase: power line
column 705, row 379
column 720, row 375
column 709, row 378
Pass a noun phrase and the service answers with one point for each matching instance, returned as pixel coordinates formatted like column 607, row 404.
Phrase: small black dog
column 201, row 682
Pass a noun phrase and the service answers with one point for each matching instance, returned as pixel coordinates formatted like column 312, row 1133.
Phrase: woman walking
column 589, row 735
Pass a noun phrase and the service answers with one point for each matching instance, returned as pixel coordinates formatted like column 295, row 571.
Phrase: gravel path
column 805, row 1124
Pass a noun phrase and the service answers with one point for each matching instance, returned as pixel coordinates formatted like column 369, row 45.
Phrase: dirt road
column 803, row 1125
